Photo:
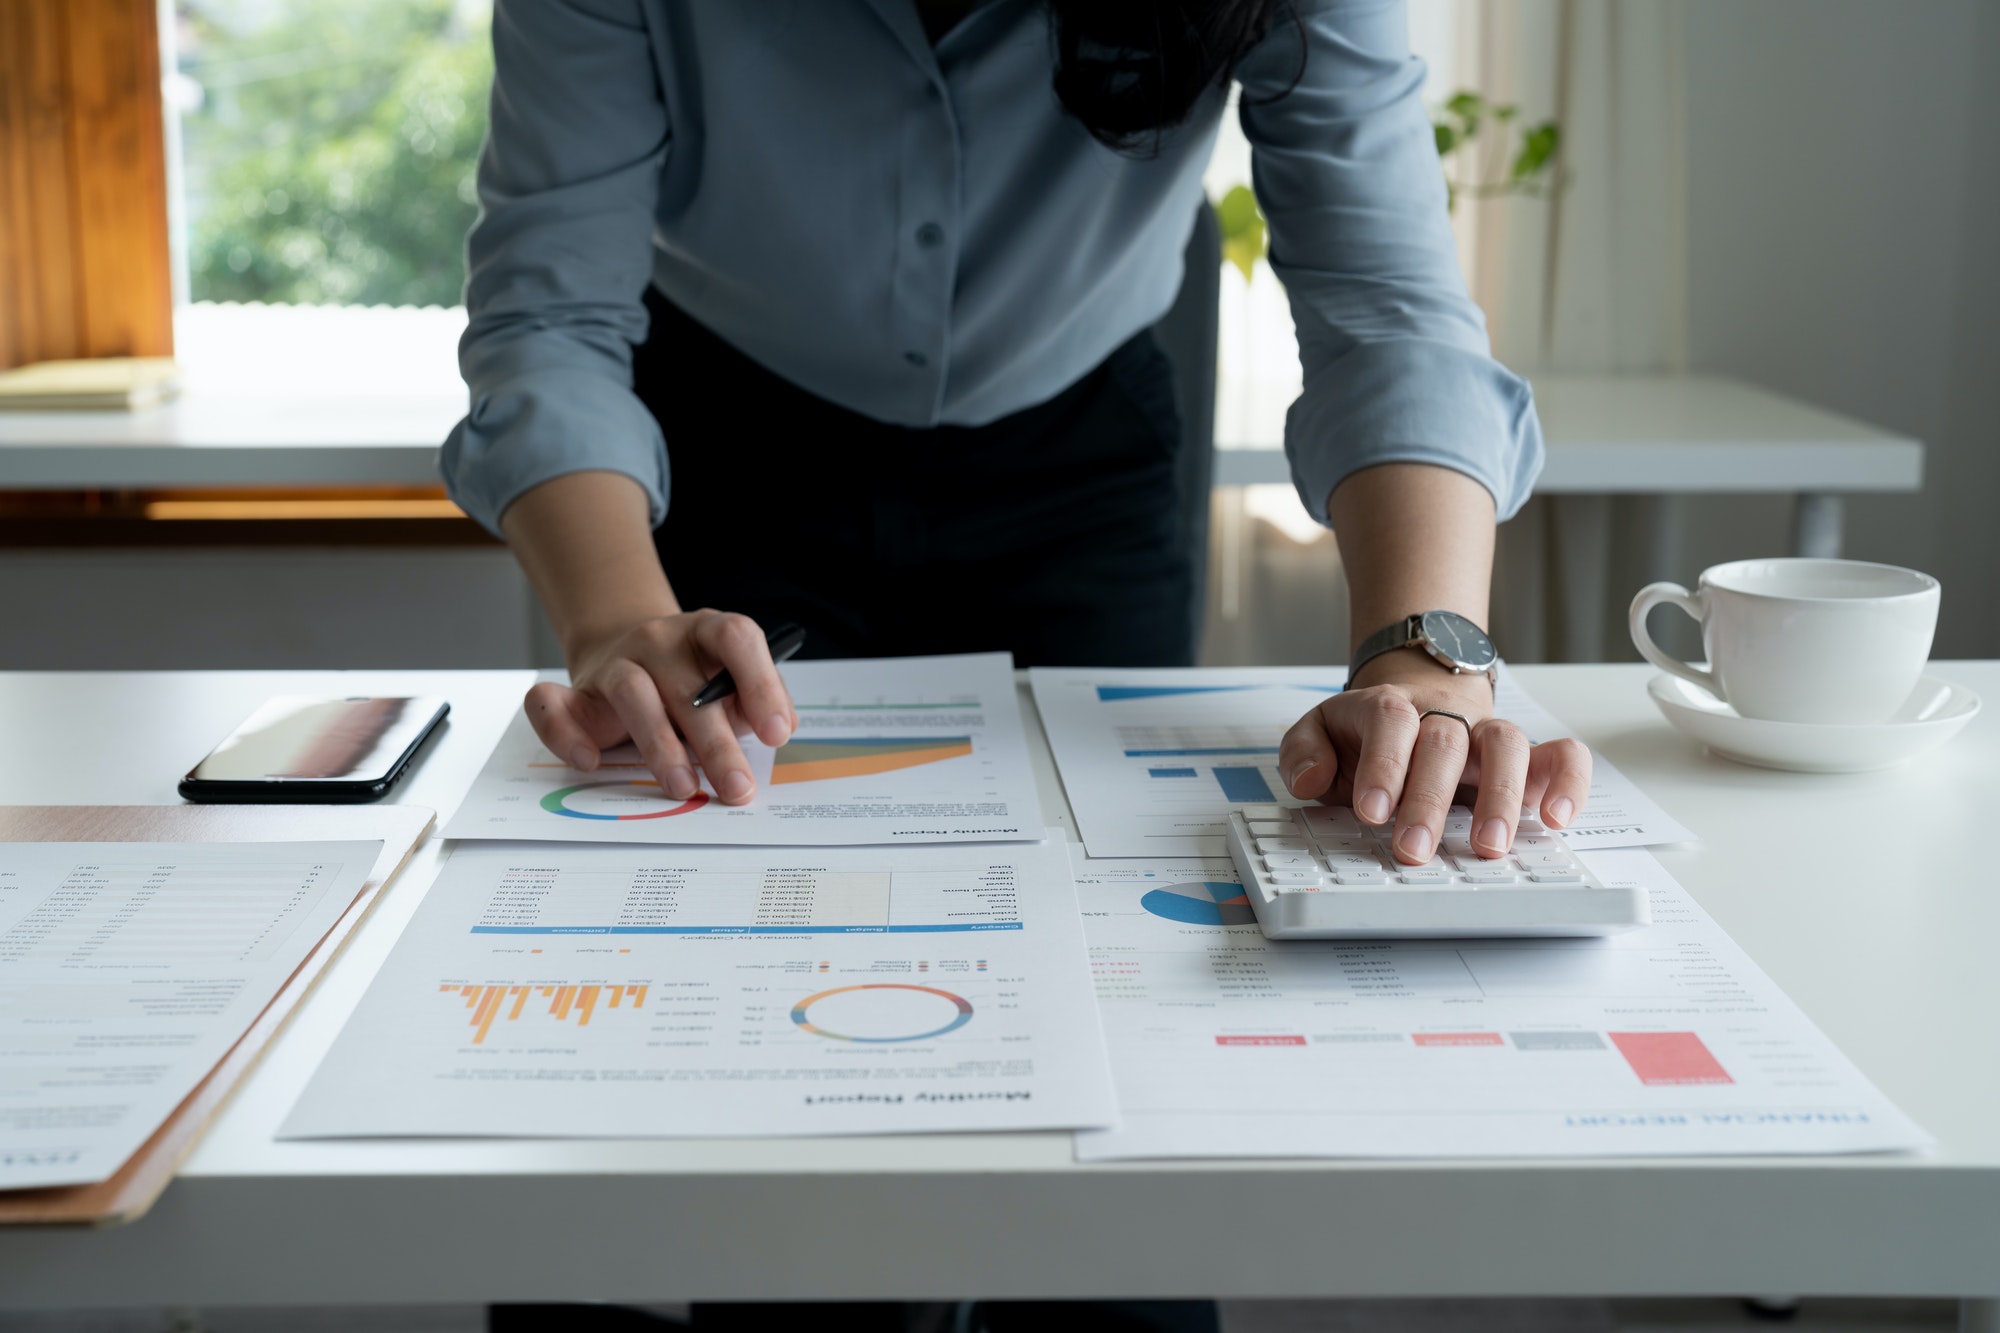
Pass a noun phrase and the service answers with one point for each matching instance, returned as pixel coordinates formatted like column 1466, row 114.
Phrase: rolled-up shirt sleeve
column 1394, row 351
column 559, row 259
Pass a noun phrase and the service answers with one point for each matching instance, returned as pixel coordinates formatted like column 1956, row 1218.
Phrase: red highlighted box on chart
column 1669, row 1059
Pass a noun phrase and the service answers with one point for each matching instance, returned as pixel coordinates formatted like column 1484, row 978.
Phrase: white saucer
column 1935, row 712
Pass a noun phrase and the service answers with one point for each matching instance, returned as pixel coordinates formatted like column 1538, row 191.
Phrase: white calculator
column 1320, row 873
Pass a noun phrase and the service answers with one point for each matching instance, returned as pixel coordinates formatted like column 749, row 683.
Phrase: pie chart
column 1201, row 903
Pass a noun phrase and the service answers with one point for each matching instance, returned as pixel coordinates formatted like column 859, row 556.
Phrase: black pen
column 783, row 641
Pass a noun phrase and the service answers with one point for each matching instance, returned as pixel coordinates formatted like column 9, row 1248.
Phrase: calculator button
column 1272, row 828
column 1327, row 822
column 1290, row 861
column 1292, row 879
column 1265, row 812
column 1492, row 872
column 1554, row 875
column 1424, row 875
column 1267, row 846
column 1360, row 875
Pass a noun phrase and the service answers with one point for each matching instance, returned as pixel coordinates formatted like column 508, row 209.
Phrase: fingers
column 1501, row 750
column 1307, row 760
column 732, row 643
column 737, row 645
column 1558, row 780
column 633, row 692
column 1388, row 731
column 712, row 736
column 1437, row 759
column 573, row 725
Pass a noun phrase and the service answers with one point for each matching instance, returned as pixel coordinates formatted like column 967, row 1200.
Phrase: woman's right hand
column 636, row 683
column 585, row 540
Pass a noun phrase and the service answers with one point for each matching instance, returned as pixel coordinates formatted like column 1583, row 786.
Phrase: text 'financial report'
column 1666, row 1040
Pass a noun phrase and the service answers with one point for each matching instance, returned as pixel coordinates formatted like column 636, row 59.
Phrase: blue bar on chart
column 1171, row 772
column 1243, row 785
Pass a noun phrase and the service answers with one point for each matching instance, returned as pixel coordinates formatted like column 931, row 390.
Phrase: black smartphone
column 297, row 748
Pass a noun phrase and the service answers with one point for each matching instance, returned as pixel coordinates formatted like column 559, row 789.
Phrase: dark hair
column 1132, row 69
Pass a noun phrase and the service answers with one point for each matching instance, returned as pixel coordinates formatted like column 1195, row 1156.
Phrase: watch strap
column 1398, row 634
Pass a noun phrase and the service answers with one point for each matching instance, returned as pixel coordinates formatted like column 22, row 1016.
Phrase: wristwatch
column 1453, row 641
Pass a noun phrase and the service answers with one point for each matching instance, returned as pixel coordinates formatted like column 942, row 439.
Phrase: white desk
column 1812, row 874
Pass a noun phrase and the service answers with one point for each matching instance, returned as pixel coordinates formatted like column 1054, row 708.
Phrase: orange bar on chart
column 815, row 760
column 489, row 1006
column 564, row 1001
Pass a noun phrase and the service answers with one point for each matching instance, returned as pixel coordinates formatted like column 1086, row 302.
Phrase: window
column 1258, row 375
column 328, row 149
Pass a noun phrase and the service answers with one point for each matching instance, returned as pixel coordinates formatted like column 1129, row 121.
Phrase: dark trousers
column 1056, row 533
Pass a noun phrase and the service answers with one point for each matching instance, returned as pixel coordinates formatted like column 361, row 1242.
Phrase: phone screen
column 310, row 740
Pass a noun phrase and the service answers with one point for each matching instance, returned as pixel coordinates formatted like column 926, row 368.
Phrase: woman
column 834, row 311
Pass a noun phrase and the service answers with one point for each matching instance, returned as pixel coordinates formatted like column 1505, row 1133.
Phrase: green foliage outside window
column 1532, row 170
column 331, row 158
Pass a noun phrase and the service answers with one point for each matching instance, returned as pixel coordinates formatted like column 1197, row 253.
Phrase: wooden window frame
column 85, row 266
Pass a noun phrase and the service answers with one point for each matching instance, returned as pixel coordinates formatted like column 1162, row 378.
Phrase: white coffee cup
column 1840, row 641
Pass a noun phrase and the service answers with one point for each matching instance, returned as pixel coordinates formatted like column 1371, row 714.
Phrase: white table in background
column 1657, row 436
column 1665, row 436
column 1867, row 897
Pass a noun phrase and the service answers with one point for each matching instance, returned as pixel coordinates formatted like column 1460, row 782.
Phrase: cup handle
column 1673, row 594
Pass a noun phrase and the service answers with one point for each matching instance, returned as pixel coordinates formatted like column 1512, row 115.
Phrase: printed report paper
column 1153, row 760
column 128, row 970
column 889, row 750
column 1664, row 1041
column 632, row 992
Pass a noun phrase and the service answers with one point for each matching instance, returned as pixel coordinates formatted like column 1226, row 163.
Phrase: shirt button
column 930, row 235
column 917, row 359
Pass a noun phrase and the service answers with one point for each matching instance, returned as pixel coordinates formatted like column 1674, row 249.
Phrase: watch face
column 1458, row 642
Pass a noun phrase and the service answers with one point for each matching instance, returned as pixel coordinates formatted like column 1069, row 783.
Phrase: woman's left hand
column 1372, row 746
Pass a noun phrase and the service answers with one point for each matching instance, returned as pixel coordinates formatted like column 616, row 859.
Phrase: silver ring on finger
column 1446, row 712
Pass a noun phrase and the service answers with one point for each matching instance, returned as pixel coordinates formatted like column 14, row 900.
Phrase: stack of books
column 117, row 383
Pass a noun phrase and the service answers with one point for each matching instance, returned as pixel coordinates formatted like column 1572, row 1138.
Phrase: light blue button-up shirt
column 926, row 236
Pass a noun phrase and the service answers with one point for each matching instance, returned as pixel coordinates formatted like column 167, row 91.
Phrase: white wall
column 1844, row 217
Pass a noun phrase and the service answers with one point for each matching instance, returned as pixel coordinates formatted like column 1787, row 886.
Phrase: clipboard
column 126, row 1196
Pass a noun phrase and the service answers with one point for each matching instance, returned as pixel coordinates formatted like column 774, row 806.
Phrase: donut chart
column 887, row 1015
column 601, row 800
column 1207, row 903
